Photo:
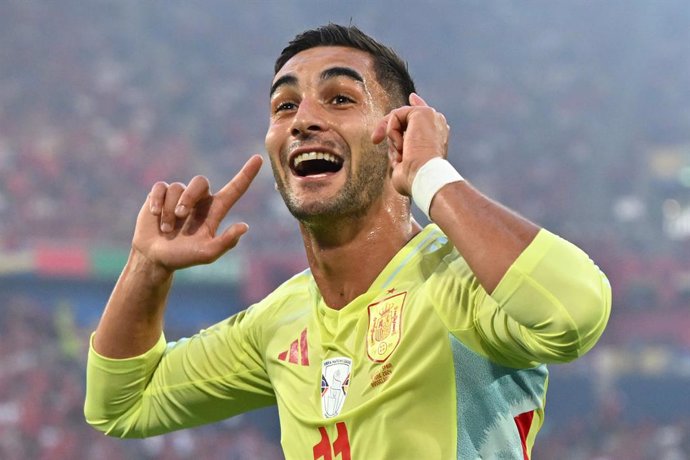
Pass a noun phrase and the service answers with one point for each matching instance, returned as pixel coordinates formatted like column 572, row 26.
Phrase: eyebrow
column 332, row 72
column 285, row 80
column 341, row 72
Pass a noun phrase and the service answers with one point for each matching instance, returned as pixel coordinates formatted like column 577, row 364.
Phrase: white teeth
column 315, row 156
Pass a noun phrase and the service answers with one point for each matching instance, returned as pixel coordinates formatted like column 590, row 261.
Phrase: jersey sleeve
column 552, row 305
column 212, row 375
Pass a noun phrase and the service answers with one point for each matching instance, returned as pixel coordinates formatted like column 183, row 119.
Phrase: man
column 398, row 342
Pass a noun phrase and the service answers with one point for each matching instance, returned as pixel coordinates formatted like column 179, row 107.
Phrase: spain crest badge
column 385, row 327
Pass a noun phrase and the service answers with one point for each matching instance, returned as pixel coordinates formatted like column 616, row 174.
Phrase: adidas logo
column 298, row 353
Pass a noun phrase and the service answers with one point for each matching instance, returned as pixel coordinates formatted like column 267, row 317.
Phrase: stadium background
column 575, row 113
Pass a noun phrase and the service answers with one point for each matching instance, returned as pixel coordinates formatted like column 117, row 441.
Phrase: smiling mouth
column 315, row 163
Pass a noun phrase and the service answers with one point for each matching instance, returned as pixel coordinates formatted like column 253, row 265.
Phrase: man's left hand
column 416, row 133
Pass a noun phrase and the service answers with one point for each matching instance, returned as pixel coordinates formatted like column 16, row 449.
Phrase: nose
column 308, row 119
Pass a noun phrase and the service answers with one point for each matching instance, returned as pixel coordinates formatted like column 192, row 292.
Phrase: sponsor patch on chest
column 335, row 382
column 385, row 327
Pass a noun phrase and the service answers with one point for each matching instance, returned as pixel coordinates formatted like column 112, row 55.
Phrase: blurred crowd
column 564, row 115
column 42, row 357
column 580, row 121
column 616, row 440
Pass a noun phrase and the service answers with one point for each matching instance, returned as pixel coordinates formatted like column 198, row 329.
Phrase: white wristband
column 429, row 179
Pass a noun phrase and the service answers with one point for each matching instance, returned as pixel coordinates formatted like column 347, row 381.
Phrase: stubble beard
column 353, row 200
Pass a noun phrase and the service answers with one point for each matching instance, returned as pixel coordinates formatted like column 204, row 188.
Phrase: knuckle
column 209, row 253
column 167, row 216
column 203, row 252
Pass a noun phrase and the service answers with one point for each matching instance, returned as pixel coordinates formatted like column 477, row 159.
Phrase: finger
column 379, row 133
column 172, row 197
column 416, row 100
column 397, row 123
column 233, row 190
column 157, row 197
column 239, row 184
column 198, row 189
column 443, row 122
column 226, row 240
column 394, row 156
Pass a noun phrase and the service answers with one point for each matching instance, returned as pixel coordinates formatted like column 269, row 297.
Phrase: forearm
column 132, row 321
column 548, row 301
column 206, row 377
column 115, row 400
column 489, row 236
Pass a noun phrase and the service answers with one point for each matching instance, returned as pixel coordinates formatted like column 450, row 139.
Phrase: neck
column 346, row 256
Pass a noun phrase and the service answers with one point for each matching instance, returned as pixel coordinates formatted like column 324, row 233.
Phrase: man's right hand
column 178, row 225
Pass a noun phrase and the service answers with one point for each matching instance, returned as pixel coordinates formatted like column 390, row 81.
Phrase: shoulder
column 258, row 323
column 438, row 254
column 431, row 244
column 292, row 296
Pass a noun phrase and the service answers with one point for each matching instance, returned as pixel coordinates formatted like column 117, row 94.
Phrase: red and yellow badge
column 385, row 327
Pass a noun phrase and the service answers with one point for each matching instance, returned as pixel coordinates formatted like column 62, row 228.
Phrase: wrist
column 429, row 179
column 154, row 273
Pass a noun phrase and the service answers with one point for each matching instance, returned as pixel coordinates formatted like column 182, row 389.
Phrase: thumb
column 226, row 240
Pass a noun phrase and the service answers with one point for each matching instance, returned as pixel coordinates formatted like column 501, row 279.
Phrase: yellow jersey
column 424, row 365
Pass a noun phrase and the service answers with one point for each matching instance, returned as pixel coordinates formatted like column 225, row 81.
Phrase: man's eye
column 340, row 99
column 285, row 106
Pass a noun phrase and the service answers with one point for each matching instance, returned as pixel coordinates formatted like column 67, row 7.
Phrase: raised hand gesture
column 415, row 133
column 178, row 226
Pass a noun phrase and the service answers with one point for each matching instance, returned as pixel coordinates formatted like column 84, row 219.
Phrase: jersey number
column 341, row 446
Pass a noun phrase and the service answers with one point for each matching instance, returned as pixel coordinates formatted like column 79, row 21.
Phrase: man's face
column 325, row 103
